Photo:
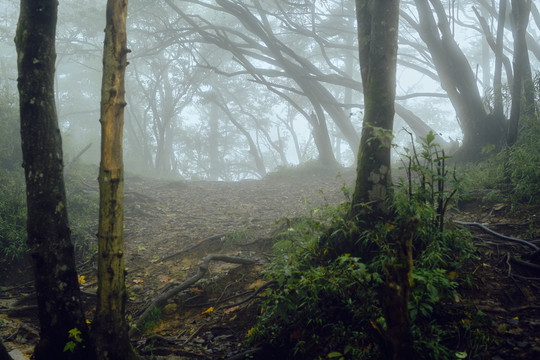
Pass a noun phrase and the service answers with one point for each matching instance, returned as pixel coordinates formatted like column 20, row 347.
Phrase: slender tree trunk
column 214, row 169
column 520, row 13
column 497, row 82
column 49, row 238
column 110, row 329
column 377, row 41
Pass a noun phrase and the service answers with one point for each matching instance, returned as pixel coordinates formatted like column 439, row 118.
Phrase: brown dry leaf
column 164, row 278
column 196, row 291
column 230, row 310
column 256, row 284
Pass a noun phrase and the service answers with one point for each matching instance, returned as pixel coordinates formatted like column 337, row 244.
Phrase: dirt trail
column 170, row 226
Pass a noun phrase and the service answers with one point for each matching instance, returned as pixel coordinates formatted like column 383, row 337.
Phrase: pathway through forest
column 171, row 226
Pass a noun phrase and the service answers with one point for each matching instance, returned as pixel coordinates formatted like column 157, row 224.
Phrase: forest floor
column 170, row 226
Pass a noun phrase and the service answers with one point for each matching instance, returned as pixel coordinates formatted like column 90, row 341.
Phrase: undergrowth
column 330, row 306
column 513, row 174
column 82, row 207
column 82, row 213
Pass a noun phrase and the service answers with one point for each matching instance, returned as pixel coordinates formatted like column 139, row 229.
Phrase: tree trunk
column 49, row 238
column 214, row 167
column 497, row 82
column 377, row 41
column 395, row 299
column 110, row 329
column 520, row 14
column 4, row 355
column 459, row 82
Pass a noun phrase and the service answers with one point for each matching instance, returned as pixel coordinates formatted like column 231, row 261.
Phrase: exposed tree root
column 263, row 286
column 161, row 299
column 501, row 236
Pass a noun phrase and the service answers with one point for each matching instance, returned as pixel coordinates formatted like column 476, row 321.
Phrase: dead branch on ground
column 161, row 299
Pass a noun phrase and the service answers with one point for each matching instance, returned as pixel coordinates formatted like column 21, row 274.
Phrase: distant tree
column 377, row 42
column 110, row 328
column 166, row 82
column 522, row 88
column 49, row 240
column 457, row 78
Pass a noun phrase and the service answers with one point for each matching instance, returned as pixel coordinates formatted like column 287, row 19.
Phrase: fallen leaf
column 138, row 281
column 82, row 280
column 230, row 310
column 164, row 278
column 196, row 291
column 208, row 311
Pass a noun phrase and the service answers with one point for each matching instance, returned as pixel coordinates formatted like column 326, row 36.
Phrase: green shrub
column 329, row 306
column 321, row 309
column 12, row 216
column 82, row 213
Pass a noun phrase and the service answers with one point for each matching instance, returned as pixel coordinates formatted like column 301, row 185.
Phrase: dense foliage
column 330, row 306
column 512, row 175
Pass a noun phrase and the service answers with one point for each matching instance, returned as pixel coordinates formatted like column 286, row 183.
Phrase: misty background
column 230, row 90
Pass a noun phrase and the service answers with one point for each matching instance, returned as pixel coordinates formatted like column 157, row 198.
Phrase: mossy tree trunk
column 49, row 239
column 377, row 41
column 110, row 328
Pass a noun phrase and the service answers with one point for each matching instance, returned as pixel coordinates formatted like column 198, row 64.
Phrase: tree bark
column 110, row 329
column 395, row 300
column 520, row 16
column 377, row 41
column 458, row 80
column 4, row 355
column 49, row 238
column 497, row 82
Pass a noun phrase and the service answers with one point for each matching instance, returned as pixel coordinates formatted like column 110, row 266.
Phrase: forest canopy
column 229, row 90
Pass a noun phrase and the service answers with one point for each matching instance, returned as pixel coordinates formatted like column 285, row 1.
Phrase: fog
column 230, row 90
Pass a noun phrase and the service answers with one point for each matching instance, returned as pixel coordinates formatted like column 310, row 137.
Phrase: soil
column 170, row 226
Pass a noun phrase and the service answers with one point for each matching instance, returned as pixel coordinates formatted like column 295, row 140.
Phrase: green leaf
column 334, row 355
column 70, row 346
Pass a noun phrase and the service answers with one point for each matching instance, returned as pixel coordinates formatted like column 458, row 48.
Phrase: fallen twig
column 193, row 335
column 161, row 299
column 261, row 288
column 526, row 263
